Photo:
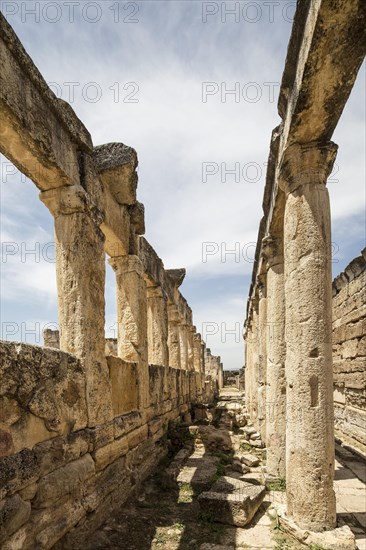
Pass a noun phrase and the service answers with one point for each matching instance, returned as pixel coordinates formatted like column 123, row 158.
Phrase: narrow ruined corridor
column 165, row 513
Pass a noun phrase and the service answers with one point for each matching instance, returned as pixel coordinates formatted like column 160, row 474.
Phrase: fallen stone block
column 215, row 439
column 257, row 443
column 232, row 501
column 198, row 472
column 248, row 431
column 238, row 466
column 254, row 477
column 249, row 460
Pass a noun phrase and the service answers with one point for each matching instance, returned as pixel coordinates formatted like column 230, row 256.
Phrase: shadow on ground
column 165, row 513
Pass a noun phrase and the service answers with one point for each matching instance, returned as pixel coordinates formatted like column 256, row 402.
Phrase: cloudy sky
column 193, row 88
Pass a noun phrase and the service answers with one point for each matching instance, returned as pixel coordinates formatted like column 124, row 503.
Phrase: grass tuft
column 276, row 485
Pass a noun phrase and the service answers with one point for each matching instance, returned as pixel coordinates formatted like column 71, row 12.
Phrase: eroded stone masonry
column 83, row 420
column 349, row 353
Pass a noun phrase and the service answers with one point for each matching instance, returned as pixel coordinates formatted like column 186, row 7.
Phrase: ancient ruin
column 84, row 420
column 89, row 413
column 288, row 329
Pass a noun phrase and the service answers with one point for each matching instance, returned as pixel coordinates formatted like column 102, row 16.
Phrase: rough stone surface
column 232, row 501
column 349, row 356
column 64, row 481
column 116, row 164
column 14, row 512
column 250, row 460
column 198, row 471
column 78, row 432
column 48, row 388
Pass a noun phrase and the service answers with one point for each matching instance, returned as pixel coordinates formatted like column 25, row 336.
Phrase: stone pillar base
column 340, row 538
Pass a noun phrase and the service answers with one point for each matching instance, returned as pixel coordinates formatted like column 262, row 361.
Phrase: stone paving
column 351, row 494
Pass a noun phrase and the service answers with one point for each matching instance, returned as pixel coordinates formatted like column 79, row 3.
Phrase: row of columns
column 150, row 330
column 213, row 368
column 289, row 375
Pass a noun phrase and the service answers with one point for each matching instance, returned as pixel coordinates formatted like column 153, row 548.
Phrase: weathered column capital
column 255, row 302
column 127, row 264
column 173, row 314
column 261, row 283
column 306, row 163
column 272, row 251
column 155, row 291
column 63, row 201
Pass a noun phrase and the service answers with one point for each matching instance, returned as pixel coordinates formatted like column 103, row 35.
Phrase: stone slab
column 232, row 501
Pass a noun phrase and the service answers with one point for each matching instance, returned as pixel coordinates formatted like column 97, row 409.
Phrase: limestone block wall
column 42, row 395
column 55, row 471
column 349, row 353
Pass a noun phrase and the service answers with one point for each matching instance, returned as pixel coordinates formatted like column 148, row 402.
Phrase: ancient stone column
column 183, row 340
column 132, row 318
column 262, row 358
column 221, row 376
column 80, row 275
column 197, row 353
column 191, row 330
column 276, row 355
column 174, row 337
column 203, row 350
column 308, row 295
column 248, row 364
column 255, row 364
column 157, row 326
